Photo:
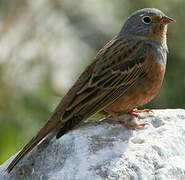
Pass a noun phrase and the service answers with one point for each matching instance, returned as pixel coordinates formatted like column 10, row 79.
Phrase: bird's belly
column 140, row 93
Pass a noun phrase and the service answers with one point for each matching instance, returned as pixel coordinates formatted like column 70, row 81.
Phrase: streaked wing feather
column 123, row 83
column 110, row 78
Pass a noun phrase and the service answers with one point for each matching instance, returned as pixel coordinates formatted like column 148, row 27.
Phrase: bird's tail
column 48, row 127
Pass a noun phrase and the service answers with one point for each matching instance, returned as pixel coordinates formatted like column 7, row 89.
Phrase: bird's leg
column 141, row 111
column 116, row 119
column 135, row 112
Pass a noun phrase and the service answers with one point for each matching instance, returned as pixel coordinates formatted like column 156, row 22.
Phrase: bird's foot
column 122, row 121
column 131, row 126
column 135, row 112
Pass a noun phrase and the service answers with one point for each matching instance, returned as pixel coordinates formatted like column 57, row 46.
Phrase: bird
column 125, row 74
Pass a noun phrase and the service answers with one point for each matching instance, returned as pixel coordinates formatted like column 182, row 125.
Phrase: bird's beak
column 167, row 20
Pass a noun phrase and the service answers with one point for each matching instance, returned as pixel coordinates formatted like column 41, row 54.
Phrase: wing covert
column 113, row 73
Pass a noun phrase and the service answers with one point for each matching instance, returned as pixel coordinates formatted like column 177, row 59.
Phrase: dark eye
column 147, row 19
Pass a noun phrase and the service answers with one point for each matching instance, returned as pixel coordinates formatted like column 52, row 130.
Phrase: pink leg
column 120, row 120
column 140, row 111
column 135, row 112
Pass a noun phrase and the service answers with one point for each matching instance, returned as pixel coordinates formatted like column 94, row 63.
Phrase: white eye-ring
column 147, row 19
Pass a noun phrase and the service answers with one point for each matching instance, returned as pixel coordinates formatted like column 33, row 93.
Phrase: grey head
column 148, row 23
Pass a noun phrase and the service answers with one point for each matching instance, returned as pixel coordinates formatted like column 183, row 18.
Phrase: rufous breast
column 141, row 92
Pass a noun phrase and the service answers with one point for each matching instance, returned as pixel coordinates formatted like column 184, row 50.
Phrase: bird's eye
column 147, row 19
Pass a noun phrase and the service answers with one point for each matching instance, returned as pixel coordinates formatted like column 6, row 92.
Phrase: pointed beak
column 167, row 20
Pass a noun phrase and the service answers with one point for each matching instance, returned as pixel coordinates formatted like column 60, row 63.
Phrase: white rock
column 102, row 151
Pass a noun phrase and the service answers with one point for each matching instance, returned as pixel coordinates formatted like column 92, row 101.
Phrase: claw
column 140, row 111
column 121, row 121
column 134, row 126
column 135, row 112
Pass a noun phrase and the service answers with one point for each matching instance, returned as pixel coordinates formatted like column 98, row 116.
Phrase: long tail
column 48, row 127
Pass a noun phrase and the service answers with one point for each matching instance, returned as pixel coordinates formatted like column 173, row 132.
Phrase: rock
column 99, row 151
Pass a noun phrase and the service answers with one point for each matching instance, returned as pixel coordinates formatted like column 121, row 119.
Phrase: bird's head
column 147, row 24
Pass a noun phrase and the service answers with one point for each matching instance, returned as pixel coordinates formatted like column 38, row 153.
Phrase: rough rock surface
column 99, row 151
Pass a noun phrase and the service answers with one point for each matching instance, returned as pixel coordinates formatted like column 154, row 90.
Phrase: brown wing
column 116, row 68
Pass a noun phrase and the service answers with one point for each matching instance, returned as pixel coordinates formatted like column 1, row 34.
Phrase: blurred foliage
column 44, row 45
